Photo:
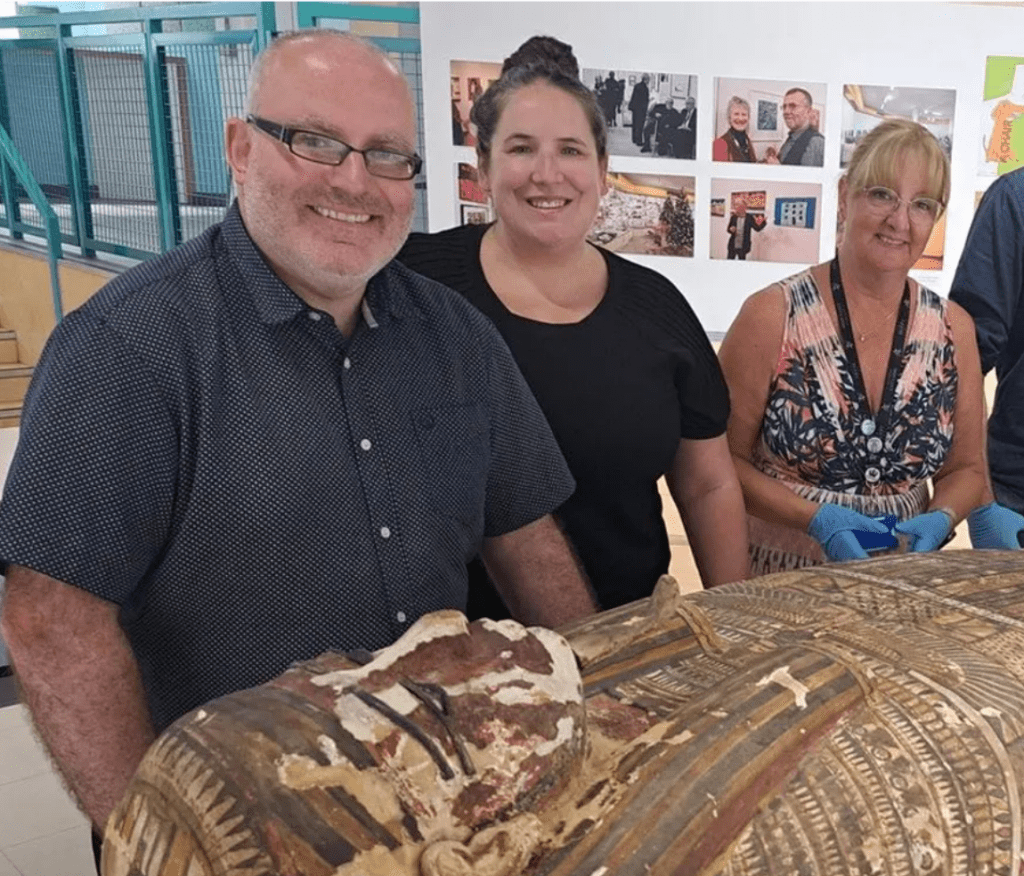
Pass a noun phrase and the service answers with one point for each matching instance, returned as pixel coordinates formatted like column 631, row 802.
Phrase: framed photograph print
column 472, row 214
column 767, row 116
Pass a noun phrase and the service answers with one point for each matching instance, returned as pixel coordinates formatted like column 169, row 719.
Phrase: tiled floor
column 42, row 833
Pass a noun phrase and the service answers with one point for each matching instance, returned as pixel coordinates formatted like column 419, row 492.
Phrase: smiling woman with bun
column 614, row 354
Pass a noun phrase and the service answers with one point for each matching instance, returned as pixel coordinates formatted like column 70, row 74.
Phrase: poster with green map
column 1002, row 115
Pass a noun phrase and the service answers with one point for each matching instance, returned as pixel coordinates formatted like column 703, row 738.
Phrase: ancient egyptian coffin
column 862, row 718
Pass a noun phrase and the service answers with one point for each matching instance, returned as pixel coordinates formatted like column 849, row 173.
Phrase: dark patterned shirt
column 989, row 285
column 252, row 488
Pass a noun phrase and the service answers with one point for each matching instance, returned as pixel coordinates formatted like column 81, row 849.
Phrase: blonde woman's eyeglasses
column 921, row 210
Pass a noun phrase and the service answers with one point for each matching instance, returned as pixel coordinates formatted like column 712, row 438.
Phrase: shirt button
column 365, row 444
column 385, row 532
column 401, row 617
column 874, row 444
column 347, row 363
column 313, row 315
column 872, row 475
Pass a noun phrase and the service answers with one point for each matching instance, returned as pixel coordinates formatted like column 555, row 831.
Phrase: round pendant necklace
column 863, row 336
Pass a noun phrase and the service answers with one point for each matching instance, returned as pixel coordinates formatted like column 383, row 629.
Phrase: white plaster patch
column 566, row 729
column 511, row 630
column 330, row 749
column 714, row 803
column 949, row 716
column 436, row 625
column 679, row 738
column 517, row 686
column 782, row 677
column 366, row 723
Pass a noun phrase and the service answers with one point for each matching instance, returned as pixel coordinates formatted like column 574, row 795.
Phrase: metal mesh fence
column 205, row 85
column 122, row 188
column 30, row 106
column 118, row 171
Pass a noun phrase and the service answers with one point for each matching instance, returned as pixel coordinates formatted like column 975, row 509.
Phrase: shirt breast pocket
column 455, row 453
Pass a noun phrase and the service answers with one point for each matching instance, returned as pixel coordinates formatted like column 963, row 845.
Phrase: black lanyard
column 871, row 425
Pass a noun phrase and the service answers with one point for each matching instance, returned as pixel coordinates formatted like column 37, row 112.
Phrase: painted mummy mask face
column 453, row 727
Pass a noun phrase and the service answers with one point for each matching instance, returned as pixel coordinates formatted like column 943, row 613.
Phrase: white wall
column 926, row 44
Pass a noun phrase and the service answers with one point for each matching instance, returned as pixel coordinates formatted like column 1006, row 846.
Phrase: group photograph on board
column 647, row 113
column 767, row 121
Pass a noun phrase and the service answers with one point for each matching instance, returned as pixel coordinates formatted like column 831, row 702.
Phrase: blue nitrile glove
column 927, row 531
column 833, row 527
column 995, row 527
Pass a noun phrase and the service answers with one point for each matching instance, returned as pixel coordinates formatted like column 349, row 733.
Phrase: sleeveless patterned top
column 817, row 434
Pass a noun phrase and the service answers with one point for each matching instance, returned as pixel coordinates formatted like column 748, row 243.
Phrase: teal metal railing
column 14, row 164
column 120, row 114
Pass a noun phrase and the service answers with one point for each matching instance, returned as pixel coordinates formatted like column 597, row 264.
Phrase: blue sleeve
column 89, row 494
column 990, row 276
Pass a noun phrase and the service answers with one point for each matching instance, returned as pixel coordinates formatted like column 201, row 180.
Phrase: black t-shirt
column 620, row 388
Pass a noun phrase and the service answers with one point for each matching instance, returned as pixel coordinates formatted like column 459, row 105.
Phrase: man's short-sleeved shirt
column 203, row 449
column 989, row 285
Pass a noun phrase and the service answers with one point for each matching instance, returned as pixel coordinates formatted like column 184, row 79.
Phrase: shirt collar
column 276, row 302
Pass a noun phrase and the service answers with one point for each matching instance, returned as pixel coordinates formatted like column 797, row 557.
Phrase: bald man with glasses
column 269, row 442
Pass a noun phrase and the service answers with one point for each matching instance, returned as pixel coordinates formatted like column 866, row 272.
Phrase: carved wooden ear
column 501, row 850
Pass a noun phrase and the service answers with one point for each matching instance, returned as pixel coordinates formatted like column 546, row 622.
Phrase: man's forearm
column 538, row 575
column 81, row 684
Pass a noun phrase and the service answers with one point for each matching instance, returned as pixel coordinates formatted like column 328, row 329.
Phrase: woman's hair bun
column 544, row 52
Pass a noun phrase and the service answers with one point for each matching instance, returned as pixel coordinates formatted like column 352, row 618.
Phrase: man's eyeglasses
column 322, row 149
column 883, row 200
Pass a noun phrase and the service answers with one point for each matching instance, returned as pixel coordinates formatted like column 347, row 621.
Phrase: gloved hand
column 927, row 531
column 833, row 528
column 995, row 527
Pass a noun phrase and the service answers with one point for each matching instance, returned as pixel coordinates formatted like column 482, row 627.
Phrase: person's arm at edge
column 536, row 572
column 703, row 483
column 961, row 482
column 989, row 279
column 81, row 684
column 748, row 356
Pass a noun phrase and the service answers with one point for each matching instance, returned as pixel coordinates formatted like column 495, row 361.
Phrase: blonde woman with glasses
column 856, row 419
